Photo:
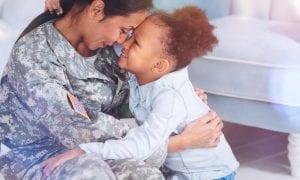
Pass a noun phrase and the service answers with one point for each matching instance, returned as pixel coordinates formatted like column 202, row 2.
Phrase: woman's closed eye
column 127, row 32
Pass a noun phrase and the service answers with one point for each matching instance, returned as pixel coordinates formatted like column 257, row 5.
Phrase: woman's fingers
column 50, row 164
column 199, row 90
column 53, row 6
column 203, row 97
column 215, row 125
column 48, row 170
column 201, row 94
column 46, row 167
column 216, row 139
column 210, row 117
column 42, row 165
column 216, row 122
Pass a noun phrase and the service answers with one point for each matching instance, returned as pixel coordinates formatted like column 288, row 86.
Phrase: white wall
column 15, row 15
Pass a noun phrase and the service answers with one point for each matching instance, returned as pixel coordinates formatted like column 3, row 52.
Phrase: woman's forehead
column 134, row 19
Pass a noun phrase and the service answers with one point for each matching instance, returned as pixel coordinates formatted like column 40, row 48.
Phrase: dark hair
column 112, row 8
column 189, row 34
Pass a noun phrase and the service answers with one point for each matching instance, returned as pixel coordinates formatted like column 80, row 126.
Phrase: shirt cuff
column 89, row 148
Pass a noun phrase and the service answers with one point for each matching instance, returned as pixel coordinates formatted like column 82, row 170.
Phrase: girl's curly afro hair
column 189, row 35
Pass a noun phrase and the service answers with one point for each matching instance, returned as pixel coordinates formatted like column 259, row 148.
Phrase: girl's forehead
column 151, row 28
column 148, row 25
column 151, row 34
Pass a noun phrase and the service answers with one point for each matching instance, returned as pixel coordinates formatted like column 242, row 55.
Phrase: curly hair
column 189, row 34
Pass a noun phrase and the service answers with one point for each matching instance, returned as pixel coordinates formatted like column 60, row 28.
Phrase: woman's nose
column 122, row 38
column 127, row 43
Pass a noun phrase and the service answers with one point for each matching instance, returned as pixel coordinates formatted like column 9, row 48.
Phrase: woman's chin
column 96, row 46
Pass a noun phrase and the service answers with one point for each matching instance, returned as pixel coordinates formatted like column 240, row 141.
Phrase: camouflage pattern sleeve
column 39, row 90
column 36, row 119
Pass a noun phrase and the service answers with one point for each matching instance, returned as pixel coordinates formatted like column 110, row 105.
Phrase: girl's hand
column 50, row 164
column 53, row 6
column 200, row 133
column 201, row 94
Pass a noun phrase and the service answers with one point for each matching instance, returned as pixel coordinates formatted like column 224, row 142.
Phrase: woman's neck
column 69, row 27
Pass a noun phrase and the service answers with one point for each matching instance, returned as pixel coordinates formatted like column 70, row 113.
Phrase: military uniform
column 37, row 121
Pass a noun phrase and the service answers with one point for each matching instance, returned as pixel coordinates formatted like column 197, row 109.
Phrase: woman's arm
column 203, row 132
column 139, row 143
column 200, row 133
column 39, row 82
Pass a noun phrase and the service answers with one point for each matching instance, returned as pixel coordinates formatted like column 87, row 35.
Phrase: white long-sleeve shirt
column 163, row 107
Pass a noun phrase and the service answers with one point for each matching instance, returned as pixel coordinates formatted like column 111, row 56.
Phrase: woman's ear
column 162, row 66
column 96, row 10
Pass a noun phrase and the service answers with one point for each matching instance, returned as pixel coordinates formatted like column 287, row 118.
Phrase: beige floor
column 262, row 153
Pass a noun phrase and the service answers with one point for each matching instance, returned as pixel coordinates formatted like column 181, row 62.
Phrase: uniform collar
column 75, row 64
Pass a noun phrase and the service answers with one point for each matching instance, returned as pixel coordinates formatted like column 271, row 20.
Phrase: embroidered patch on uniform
column 77, row 106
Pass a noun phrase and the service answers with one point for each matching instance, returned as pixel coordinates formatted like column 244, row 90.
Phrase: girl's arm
column 167, row 113
column 203, row 132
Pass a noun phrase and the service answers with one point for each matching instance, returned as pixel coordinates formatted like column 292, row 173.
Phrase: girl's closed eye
column 136, row 42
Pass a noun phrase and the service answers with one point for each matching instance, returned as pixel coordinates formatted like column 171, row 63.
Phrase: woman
column 55, row 61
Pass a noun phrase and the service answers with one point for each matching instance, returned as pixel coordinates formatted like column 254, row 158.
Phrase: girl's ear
column 162, row 66
column 96, row 10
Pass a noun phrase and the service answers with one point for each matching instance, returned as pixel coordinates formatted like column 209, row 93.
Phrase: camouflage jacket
column 36, row 118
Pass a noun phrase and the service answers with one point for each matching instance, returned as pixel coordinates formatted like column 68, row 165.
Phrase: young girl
column 162, row 98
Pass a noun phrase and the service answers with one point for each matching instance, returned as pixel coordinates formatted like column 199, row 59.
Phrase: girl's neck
column 148, row 77
column 143, row 79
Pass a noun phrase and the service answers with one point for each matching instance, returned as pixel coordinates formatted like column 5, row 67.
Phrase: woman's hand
column 50, row 164
column 53, row 6
column 201, row 94
column 200, row 133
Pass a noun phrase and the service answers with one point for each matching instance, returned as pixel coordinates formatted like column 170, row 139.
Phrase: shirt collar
column 174, row 80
